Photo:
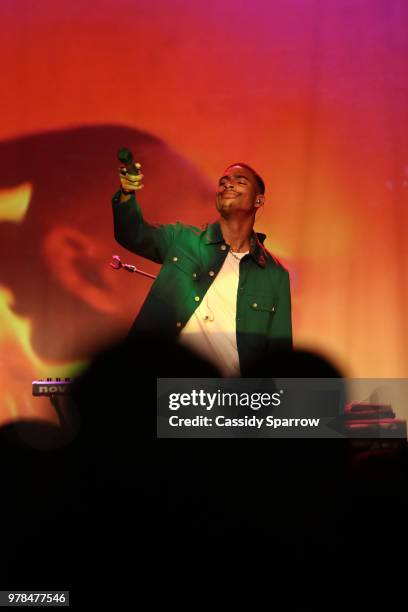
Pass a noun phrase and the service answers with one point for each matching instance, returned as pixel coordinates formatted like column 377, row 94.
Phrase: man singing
column 219, row 291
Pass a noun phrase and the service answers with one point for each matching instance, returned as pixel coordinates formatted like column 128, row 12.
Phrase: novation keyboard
column 51, row 387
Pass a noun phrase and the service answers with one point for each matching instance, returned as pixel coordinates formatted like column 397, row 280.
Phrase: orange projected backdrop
column 314, row 95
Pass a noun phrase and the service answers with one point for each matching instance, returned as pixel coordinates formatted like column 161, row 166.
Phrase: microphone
column 127, row 164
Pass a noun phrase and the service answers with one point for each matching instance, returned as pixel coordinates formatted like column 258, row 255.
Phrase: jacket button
column 254, row 305
column 175, row 258
column 197, row 298
column 223, row 247
column 178, row 324
column 211, row 273
column 194, row 274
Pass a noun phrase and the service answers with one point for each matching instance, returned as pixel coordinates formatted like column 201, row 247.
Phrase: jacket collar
column 213, row 235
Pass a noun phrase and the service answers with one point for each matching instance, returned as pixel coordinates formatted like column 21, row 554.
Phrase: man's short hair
column 258, row 178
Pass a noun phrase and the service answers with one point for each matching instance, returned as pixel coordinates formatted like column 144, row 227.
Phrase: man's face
column 237, row 191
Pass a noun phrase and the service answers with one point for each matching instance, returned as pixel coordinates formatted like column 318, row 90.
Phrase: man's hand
column 130, row 182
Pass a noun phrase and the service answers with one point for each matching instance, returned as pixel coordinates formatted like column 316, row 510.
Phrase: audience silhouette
column 116, row 506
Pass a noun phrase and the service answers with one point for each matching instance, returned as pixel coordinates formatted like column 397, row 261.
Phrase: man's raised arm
column 131, row 230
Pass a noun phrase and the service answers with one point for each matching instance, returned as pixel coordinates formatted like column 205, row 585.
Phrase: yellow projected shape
column 14, row 202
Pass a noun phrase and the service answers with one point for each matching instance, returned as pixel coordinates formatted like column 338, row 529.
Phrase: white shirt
column 211, row 329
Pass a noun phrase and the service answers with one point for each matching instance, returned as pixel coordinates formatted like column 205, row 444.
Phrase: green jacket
column 191, row 259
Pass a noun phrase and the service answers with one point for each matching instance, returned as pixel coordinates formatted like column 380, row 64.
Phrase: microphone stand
column 117, row 265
